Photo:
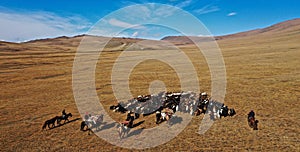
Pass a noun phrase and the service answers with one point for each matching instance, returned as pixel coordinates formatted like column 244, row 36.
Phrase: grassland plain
column 263, row 73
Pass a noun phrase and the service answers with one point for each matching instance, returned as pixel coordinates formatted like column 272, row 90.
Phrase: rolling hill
column 289, row 27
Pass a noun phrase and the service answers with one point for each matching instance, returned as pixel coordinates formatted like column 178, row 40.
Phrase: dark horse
column 224, row 111
column 65, row 118
column 253, row 123
column 231, row 112
column 91, row 124
column 50, row 122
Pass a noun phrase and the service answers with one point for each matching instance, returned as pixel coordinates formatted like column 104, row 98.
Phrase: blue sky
column 26, row 20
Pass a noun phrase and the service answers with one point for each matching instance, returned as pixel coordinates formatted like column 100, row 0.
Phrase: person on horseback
column 86, row 116
column 226, row 109
column 251, row 114
column 63, row 114
column 128, row 117
column 203, row 97
column 129, row 120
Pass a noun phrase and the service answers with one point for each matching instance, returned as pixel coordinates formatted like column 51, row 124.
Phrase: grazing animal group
column 165, row 103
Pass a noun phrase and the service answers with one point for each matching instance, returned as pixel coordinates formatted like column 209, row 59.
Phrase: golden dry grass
column 263, row 74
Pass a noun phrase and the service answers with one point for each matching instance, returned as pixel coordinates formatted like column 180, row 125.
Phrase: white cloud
column 135, row 34
column 207, row 9
column 185, row 3
column 23, row 26
column 119, row 23
column 122, row 24
column 164, row 11
column 201, row 35
column 231, row 14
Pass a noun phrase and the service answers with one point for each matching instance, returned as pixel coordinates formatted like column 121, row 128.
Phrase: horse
column 122, row 130
column 253, row 123
column 65, row 118
column 165, row 116
column 118, row 108
column 199, row 111
column 231, row 112
column 201, row 108
column 158, row 117
column 92, row 123
column 84, row 124
column 50, row 122
column 223, row 112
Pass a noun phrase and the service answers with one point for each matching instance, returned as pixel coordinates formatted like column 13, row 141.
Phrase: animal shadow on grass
column 174, row 120
column 137, row 124
column 107, row 126
column 64, row 123
column 135, row 132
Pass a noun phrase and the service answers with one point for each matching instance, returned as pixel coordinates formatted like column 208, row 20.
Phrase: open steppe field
column 263, row 74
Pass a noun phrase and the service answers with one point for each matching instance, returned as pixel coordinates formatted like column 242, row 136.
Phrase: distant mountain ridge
column 282, row 27
column 286, row 26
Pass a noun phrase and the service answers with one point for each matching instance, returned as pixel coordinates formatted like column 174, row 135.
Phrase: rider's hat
column 203, row 93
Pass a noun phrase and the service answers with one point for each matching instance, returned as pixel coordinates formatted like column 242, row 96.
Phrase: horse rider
column 128, row 117
column 203, row 96
column 225, row 109
column 86, row 116
column 129, row 120
column 251, row 114
column 63, row 114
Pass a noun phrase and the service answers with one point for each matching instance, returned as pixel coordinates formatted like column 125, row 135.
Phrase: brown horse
column 199, row 111
column 253, row 123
